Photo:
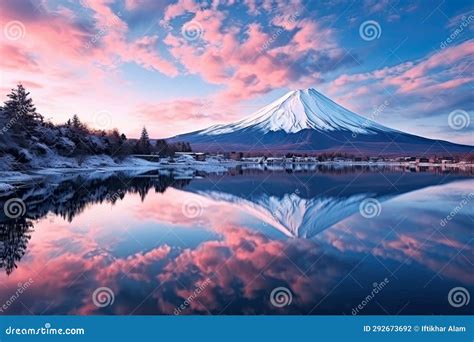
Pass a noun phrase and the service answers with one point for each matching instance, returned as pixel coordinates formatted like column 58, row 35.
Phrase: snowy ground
column 183, row 167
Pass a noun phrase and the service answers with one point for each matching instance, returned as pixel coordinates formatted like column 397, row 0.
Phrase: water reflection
column 154, row 238
column 14, row 238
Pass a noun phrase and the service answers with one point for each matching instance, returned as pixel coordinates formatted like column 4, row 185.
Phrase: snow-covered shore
column 181, row 167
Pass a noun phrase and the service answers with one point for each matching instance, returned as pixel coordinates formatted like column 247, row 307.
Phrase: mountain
column 306, row 121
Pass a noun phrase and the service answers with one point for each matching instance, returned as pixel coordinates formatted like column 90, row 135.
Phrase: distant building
column 447, row 160
column 199, row 156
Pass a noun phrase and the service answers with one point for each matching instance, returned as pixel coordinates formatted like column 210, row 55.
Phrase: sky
column 179, row 66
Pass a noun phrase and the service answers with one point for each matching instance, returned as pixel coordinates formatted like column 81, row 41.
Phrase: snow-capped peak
column 298, row 110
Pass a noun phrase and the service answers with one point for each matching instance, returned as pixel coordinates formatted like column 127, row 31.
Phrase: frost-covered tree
column 76, row 123
column 19, row 111
column 143, row 144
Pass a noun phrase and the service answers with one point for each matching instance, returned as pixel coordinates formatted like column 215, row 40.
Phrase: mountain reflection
column 304, row 204
column 154, row 237
column 301, row 205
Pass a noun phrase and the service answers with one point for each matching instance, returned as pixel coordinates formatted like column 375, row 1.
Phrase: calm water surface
column 221, row 243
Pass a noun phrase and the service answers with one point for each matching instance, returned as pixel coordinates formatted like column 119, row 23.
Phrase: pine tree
column 20, row 111
column 143, row 144
column 115, row 137
column 162, row 148
column 14, row 238
column 76, row 123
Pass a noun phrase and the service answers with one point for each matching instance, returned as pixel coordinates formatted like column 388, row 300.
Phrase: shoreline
column 189, row 167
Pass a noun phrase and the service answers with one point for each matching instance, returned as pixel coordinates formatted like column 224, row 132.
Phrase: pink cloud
column 13, row 57
column 142, row 51
column 249, row 60
column 410, row 77
column 420, row 85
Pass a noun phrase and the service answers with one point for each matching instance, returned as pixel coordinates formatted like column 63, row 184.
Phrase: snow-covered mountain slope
column 298, row 110
column 307, row 121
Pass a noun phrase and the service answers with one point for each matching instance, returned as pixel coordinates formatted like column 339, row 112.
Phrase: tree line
column 23, row 131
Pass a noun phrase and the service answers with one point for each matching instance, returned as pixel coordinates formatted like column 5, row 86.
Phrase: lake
column 339, row 241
